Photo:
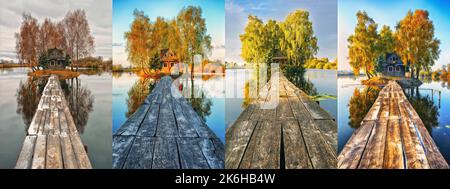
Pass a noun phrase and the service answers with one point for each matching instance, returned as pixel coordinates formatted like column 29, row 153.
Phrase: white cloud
column 99, row 15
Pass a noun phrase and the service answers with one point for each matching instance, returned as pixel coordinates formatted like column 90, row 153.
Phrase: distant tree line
column 321, row 63
column 72, row 34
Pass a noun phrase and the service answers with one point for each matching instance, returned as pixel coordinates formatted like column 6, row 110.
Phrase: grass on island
column 62, row 74
column 375, row 81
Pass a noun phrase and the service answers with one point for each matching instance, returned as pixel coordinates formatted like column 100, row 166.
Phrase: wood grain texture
column 295, row 134
column 52, row 140
column 166, row 133
column 391, row 136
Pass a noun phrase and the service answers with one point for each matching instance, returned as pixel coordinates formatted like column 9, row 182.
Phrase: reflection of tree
column 297, row 77
column 28, row 96
column 138, row 93
column 424, row 106
column 80, row 101
column 201, row 105
column 247, row 99
column 360, row 103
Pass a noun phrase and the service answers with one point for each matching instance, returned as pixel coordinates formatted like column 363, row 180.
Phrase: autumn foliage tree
column 137, row 40
column 27, row 41
column 413, row 41
column 416, row 44
column 363, row 45
column 186, row 35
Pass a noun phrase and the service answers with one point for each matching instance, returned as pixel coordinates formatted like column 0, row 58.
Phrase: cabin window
column 397, row 69
column 390, row 68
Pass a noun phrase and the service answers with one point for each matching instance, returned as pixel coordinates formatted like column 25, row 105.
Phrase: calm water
column 321, row 81
column 89, row 99
column 434, row 111
column 129, row 91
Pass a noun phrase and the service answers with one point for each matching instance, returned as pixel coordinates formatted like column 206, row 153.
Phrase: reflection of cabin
column 56, row 59
column 393, row 66
column 168, row 59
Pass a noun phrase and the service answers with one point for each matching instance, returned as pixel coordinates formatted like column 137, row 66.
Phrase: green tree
column 43, row 61
column 386, row 44
column 363, row 46
column 253, row 44
column 193, row 34
column 299, row 42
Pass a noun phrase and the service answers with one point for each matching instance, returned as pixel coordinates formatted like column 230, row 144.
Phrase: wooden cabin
column 168, row 59
column 393, row 66
column 56, row 59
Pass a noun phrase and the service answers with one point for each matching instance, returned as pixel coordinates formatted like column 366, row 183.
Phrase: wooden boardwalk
column 391, row 136
column 52, row 140
column 166, row 133
column 296, row 134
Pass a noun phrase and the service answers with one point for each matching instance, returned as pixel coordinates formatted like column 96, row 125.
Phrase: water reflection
column 424, row 106
column 360, row 103
column 138, row 93
column 80, row 101
column 79, row 98
column 28, row 95
column 197, row 94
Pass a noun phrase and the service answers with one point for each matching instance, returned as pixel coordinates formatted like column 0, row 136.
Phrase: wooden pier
column 52, row 140
column 296, row 134
column 166, row 133
column 391, row 136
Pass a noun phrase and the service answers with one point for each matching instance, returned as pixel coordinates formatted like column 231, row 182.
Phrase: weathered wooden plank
column 190, row 152
column 26, row 154
column 166, row 154
column 414, row 151
column 141, row 153
column 351, row 154
column 396, row 140
column 214, row 152
column 185, row 129
column 166, row 122
column 393, row 155
column 131, row 126
column 54, row 156
column 434, row 157
column 328, row 128
column 121, row 146
column 238, row 138
column 39, row 152
column 374, row 155
column 68, row 154
column 322, row 155
column 265, row 153
column 34, row 126
column 80, row 152
column 295, row 152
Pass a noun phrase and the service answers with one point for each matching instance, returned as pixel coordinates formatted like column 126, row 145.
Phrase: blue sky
column 212, row 11
column 322, row 14
column 388, row 12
